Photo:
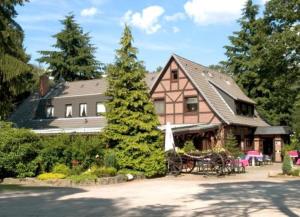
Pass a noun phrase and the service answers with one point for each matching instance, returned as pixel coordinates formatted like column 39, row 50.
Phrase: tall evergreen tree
column 132, row 123
column 15, row 75
column 74, row 58
column 264, row 57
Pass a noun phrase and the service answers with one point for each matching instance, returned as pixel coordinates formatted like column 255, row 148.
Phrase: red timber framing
column 174, row 87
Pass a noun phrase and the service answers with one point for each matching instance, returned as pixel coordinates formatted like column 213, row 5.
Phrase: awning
column 273, row 130
column 191, row 128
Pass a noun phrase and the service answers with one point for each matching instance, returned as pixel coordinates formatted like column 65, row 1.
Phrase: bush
column 105, row 172
column 49, row 176
column 19, row 149
column 63, row 149
column 295, row 172
column 61, row 168
column 55, row 151
column 189, row 147
column 110, row 159
column 83, row 178
column 287, row 165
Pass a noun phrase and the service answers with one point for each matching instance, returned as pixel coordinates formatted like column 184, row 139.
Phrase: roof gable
column 206, row 81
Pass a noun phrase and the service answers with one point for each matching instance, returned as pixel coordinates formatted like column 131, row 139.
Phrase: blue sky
column 195, row 29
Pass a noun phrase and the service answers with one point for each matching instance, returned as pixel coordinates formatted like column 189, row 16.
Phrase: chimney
column 44, row 85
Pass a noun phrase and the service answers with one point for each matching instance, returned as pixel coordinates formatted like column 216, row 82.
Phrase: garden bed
column 69, row 183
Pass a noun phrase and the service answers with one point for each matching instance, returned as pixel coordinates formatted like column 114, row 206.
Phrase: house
column 201, row 104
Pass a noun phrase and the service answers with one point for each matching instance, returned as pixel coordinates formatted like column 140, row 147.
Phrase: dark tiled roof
column 24, row 114
column 205, row 79
column 273, row 130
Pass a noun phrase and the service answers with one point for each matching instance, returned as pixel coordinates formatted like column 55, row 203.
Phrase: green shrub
column 55, row 151
column 148, row 158
column 19, row 149
column 105, row 172
column 63, row 149
column 132, row 172
column 110, row 159
column 231, row 145
column 61, row 168
column 83, row 178
column 287, row 165
column 77, row 170
column 49, row 176
column 295, row 172
column 189, row 147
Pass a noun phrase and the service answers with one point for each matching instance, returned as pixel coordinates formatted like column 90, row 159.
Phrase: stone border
column 67, row 182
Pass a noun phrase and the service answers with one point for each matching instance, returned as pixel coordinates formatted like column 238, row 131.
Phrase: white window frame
column 82, row 107
column 50, row 111
column 69, row 112
column 100, row 108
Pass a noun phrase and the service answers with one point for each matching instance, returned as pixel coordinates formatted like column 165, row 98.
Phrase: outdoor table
column 254, row 154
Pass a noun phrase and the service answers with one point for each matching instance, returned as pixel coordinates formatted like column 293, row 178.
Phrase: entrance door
column 268, row 146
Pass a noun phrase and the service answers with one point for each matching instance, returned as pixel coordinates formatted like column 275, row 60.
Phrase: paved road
column 251, row 194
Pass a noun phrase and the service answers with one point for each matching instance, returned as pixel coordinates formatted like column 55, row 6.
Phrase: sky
column 194, row 29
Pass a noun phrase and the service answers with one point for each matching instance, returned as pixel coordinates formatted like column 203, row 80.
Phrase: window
column 69, row 111
column 191, row 104
column 100, row 109
column 244, row 109
column 50, row 112
column 159, row 105
column 82, row 110
column 174, row 75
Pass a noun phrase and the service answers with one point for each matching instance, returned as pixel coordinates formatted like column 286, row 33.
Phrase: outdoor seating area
column 256, row 158
column 295, row 156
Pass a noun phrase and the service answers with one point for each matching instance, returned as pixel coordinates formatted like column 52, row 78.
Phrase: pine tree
column 231, row 145
column 132, row 123
column 74, row 58
column 264, row 57
column 15, row 75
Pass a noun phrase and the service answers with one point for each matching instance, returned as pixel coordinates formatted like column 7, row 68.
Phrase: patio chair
column 267, row 160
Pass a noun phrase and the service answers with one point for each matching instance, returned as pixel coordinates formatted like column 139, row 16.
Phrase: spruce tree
column 264, row 57
column 132, row 123
column 74, row 57
column 15, row 72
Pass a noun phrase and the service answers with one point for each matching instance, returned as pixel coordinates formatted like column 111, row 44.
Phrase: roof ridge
column 203, row 66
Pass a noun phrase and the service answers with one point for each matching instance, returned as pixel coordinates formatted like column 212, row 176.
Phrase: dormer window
column 244, row 109
column 50, row 112
column 174, row 75
column 68, row 110
column 83, row 110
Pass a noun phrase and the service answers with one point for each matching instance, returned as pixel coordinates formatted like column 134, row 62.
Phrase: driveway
column 250, row 194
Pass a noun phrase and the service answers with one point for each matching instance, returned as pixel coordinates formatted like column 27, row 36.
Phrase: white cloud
column 147, row 20
column 88, row 12
column 175, row 17
column 205, row 12
column 175, row 29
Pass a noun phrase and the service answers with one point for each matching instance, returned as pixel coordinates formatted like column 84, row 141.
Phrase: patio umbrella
column 169, row 139
column 293, row 153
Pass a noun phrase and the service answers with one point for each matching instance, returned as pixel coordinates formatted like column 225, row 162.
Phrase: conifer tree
column 132, row 123
column 264, row 57
column 74, row 57
column 15, row 72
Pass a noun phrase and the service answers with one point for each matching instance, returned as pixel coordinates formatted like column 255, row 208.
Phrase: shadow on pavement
column 44, row 202
column 245, row 198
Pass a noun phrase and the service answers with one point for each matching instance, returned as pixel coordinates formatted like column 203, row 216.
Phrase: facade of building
column 201, row 104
